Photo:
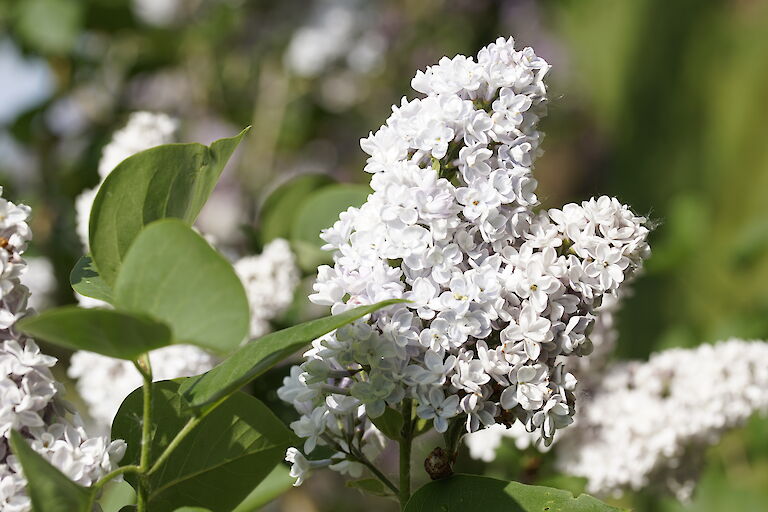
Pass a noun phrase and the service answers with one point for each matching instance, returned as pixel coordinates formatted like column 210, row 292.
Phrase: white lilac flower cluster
column 484, row 443
column 30, row 397
column 143, row 131
column 270, row 280
column 663, row 414
column 499, row 293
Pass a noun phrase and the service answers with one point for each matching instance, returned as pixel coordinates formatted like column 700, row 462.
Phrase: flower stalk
column 144, row 367
column 406, row 441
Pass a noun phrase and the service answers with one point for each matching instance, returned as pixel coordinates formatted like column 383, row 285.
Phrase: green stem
column 453, row 436
column 144, row 367
column 406, row 439
column 191, row 424
column 110, row 476
column 378, row 474
column 181, row 435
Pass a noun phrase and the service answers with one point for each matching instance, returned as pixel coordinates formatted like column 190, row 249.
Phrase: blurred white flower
column 484, row 443
column 663, row 414
column 104, row 382
column 270, row 280
column 160, row 13
column 41, row 282
column 336, row 29
column 143, row 131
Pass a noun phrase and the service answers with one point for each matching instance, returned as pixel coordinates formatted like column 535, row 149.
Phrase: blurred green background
column 663, row 104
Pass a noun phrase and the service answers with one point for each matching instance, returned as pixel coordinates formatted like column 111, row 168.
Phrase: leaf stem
column 144, row 367
column 452, row 438
column 190, row 425
column 378, row 474
column 406, row 439
column 112, row 475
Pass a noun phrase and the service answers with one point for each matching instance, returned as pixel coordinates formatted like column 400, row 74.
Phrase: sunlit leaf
column 281, row 206
column 253, row 359
column 321, row 210
column 390, row 423
column 275, row 484
column 172, row 274
column 173, row 180
column 220, row 461
column 460, row 493
column 104, row 331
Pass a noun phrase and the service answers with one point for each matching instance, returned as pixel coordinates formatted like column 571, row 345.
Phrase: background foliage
column 660, row 103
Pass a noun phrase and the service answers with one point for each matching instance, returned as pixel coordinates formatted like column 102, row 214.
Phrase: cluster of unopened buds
column 498, row 293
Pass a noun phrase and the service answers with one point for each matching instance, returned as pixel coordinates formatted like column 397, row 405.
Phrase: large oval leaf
column 260, row 355
column 173, row 180
column 49, row 489
column 460, row 493
column 172, row 274
column 280, row 208
column 275, row 484
column 105, row 331
column 321, row 210
column 116, row 495
column 390, row 423
column 220, row 461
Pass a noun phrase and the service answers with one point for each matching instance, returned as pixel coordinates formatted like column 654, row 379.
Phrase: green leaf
column 173, row 180
column 233, row 448
column 469, row 492
column 370, row 486
column 309, row 256
column 172, row 274
column 105, row 331
column 321, row 210
column 390, row 423
column 116, row 496
column 258, row 356
column 49, row 489
column 49, row 26
column 422, row 427
column 280, row 208
column 192, row 509
column 275, row 484
column 85, row 280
